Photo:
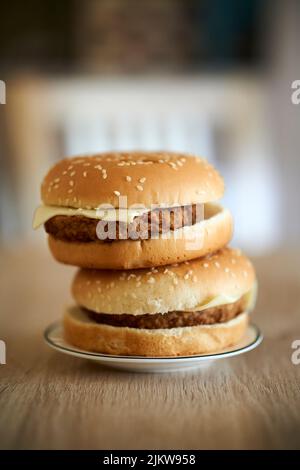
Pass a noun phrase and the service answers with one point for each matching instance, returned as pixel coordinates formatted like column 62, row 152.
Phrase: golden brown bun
column 226, row 275
column 144, row 177
column 204, row 339
column 191, row 242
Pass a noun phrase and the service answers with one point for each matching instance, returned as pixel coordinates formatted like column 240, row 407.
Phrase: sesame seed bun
column 223, row 277
column 183, row 244
column 144, row 177
column 204, row 339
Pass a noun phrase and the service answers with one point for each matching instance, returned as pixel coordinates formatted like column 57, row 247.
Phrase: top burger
column 133, row 210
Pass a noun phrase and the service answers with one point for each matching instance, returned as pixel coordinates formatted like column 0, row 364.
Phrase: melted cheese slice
column 45, row 213
column 219, row 300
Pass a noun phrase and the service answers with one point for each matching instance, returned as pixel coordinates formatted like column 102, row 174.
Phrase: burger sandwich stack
column 156, row 276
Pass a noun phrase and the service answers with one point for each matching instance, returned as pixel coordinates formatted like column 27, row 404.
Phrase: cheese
column 228, row 299
column 44, row 213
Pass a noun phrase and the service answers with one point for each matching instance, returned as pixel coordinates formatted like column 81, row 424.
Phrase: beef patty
column 209, row 316
column 148, row 225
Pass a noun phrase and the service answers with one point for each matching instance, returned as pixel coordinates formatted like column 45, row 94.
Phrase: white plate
column 54, row 338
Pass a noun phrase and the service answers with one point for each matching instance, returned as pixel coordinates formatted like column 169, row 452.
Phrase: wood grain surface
column 52, row 401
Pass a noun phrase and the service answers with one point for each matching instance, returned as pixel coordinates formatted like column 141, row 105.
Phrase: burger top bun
column 221, row 278
column 145, row 178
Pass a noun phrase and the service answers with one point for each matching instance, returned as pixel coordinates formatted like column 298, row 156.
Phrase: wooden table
column 48, row 400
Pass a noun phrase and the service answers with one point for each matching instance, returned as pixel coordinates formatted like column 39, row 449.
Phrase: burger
column 133, row 210
column 195, row 307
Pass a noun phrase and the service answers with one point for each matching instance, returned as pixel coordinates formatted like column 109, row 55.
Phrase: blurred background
column 210, row 77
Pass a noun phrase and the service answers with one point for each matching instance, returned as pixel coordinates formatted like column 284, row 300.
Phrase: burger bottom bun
column 184, row 244
column 85, row 334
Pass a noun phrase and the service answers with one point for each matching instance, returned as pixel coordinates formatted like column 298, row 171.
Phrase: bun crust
column 225, row 275
column 204, row 339
column 184, row 244
column 144, row 177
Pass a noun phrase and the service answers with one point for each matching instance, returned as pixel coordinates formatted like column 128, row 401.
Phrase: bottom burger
column 196, row 307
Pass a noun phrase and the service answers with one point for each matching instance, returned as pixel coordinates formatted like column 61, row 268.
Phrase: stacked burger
column 156, row 276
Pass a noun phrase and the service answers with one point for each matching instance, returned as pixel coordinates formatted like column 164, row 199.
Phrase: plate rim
column 138, row 359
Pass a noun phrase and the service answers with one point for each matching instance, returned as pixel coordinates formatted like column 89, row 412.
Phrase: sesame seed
column 205, row 265
column 226, row 270
column 99, row 289
column 84, row 174
column 128, row 178
column 217, row 264
column 98, row 167
column 138, row 284
column 70, row 167
column 151, row 280
column 133, row 295
column 139, row 187
column 186, row 262
column 117, row 193
column 175, row 281
column 57, row 180
column 233, row 261
column 70, row 191
column 161, row 161
column 166, row 271
column 112, row 284
column 186, row 276
column 131, row 276
column 56, row 186
column 87, row 164
column 104, row 176
column 173, row 165
column 190, row 271
column 64, row 172
column 73, row 173
column 142, row 180
column 71, row 183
